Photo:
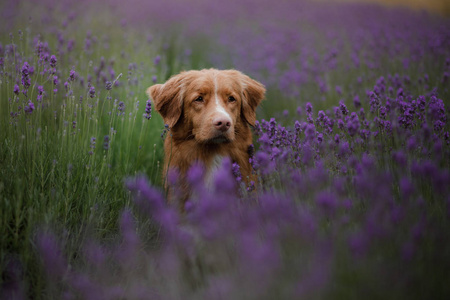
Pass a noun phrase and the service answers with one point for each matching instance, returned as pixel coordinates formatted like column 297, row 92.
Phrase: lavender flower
column 53, row 61
column 29, row 108
column 92, row 145
column 310, row 131
column 52, row 256
column 308, row 108
column 121, row 107
column 356, row 101
column 148, row 109
column 374, row 102
column 106, row 142
column 157, row 60
column 336, row 138
column 236, row 172
column 92, row 92
column 72, row 75
column 343, row 108
column 26, row 81
column 223, row 178
column 353, row 124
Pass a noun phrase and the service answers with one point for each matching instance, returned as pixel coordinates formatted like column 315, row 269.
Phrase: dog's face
column 209, row 105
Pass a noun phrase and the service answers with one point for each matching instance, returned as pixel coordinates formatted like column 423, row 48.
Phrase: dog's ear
column 254, row 92
column 168, row 98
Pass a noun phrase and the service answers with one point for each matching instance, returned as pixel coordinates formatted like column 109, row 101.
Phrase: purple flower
column 320, row 137
column 92, row 145
column 359, row 243
column 343, row 108
column 50, row 252
column 25, row 69
column 121, row 107
column 406, row 187
column 400, row 158
column 16, row 89
column 344, row 149
column 353, row 124
column 26, row 81
column 92, row 92
column 309, row 108
column 93, row 139
column 151, row 201
column 438, row 125
column 53, row 61
column 223, row 179
column 106, row 142
column 236, row 172
column 310, row 131
column 262, row 161
column 336, row 139
column 129, row 248
column 148, row 110
column 445, row 77
column 356, row 101
column 94, row 253
column 251, row 186
column 374, row 102
column 157, row 60
column 341, row 124
column 70, row 45
column 327, row 202
column 412, row 143
column 29, row 108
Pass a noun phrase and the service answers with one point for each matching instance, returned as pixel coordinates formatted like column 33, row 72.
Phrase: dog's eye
column 199, row 99
column 231, row 99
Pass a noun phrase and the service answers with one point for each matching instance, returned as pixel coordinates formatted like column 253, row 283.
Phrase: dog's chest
column 211, row 170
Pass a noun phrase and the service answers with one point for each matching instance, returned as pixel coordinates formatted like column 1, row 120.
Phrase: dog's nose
column 222, row 124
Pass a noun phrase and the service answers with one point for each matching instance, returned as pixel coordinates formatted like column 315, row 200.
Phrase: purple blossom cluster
column 26, row 72
column 29, row 108
column 291, row 238
column 340, row 193
column 106, row 141
column 148, row 110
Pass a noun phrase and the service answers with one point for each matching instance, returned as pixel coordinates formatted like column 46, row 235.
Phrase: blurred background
column 437, row 6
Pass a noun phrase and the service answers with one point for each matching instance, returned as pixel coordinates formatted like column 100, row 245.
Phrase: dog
column 210, row 113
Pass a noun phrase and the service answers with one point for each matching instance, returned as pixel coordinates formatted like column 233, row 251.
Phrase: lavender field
column 351, row 148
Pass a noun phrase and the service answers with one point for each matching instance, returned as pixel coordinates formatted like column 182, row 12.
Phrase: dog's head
column 208, row 104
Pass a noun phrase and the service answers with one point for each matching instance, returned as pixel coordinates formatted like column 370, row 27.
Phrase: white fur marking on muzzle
column 219, row 108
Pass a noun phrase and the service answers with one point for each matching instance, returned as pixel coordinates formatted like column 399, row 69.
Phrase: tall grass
column 63, row 163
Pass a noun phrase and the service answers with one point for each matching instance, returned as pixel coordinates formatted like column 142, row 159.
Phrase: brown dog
column 209, row 113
